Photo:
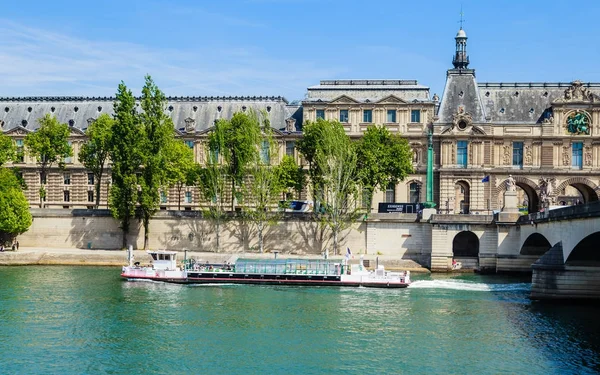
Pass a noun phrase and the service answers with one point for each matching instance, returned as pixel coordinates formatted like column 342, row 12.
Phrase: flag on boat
column 485, row 179
column 348, row 253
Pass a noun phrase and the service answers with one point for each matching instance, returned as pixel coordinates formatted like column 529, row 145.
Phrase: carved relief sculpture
column 546, row 191
column 565, row 156
column 506, row 155
column 587, row 156
column 190, row 124
column 578, row 123
column 462, row 119
column 528, row 155
column 577, row 93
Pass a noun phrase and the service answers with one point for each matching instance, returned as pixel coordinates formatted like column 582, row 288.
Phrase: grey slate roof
column 202, row 110
column 371, row 89
column 522, row 102
column 500, row 103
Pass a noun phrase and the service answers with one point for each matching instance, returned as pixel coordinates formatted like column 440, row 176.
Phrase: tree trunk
column 99, row 188
column 124, row 237
column 232, row 195
column 217, row 233
column 335, row 242
column 260, row 227
column 179, row 186
column 146, row 226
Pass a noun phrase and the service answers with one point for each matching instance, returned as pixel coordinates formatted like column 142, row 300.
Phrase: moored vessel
column 306, row 272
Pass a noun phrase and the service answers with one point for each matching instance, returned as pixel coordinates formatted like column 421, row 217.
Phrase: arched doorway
column 527, row 195
column 462, row 197
column 577, row 190
column 586, row 252
column 465, row 245
column 535, row 244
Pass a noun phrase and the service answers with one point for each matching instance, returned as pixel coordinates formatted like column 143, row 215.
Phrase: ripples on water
column 69, row 320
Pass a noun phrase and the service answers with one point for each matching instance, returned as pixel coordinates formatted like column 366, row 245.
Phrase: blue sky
column 280, row 47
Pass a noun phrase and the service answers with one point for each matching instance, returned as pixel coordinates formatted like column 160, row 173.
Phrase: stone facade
column 547, row 135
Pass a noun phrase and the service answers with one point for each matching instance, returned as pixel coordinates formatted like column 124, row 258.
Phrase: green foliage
column 14, row 208
column 179, row 166
column 382, row 159
column 157, row 134
column 94, row 153
column 7, row 149
column 213, row 184
column 264, row 191
column 237, row 140
column 291, row 176
column 126, row 156
column 49, row 144
column 335, row 161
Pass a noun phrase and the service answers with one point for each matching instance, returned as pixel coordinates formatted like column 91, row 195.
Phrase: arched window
column 414, row 192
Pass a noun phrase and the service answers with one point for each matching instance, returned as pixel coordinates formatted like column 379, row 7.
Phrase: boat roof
column 286, row 261
column 161, row 252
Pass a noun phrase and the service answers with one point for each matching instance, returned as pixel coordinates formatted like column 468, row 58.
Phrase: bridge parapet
column 591, row 209
column 461, row 219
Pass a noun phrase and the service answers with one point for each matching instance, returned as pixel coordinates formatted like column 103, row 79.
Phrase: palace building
column 546, row 135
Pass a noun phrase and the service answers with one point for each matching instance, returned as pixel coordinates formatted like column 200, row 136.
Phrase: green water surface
column 82, row 320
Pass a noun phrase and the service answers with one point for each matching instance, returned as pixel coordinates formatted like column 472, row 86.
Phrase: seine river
column 81, row 320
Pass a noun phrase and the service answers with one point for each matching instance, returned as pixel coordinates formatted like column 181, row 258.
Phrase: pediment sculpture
column 462, row 119
column 578, row 123
column 577, row 93
column 190, row 125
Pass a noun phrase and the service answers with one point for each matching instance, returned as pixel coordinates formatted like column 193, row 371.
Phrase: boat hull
column 266, row 279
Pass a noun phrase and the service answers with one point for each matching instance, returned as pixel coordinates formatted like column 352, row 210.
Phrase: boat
column 302, row 272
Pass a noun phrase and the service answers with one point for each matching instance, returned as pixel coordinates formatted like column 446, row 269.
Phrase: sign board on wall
column 399, row 208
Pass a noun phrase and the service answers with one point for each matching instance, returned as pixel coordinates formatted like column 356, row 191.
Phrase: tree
column 49, row 144
column 291, row 176
column 237, row 141
column 179, row 167
column 126, row 156
column 312, row 139
column 335, row 159
column 7, row 149
column 157, row 133
column 213, row 181
column 264, row 190
column 382, row 159
column 14, row 208
column 94, row 153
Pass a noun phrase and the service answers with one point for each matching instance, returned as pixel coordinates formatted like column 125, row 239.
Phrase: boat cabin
column 164, row 260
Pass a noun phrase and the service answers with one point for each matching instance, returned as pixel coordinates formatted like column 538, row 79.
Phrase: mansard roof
column 505, row 103
column 189, row 113
column 367, row 89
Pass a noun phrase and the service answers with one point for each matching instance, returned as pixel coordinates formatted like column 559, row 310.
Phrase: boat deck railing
column 273, row 266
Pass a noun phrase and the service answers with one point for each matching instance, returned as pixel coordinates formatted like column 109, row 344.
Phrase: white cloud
column 41, row 62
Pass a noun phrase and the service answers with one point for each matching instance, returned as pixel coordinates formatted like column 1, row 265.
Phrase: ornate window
column 517, row 154
column 265, row 152
column 367, row 115
column 415, row 115
column 90, row 196
column 390, row 193
column 67, row 179
column 290, row 148
column 391, row 115
column 461, row 153
column 320, row 114
column 90, row 178
column 414, row 192
column 343, row 115
column 577, row 160
column 163, row 197
column 66, row 196
column 188, row 197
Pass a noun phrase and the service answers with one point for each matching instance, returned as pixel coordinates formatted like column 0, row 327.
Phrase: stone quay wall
column 400, row 236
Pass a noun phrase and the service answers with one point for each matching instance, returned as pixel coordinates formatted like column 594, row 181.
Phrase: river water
column 85, row 320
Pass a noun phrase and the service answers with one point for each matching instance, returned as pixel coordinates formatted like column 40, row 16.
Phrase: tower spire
column 461, row 59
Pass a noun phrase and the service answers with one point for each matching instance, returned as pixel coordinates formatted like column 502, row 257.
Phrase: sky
column 281, row 47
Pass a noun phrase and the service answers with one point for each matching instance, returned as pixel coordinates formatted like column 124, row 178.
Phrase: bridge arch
column 535, row 244
column 586, row 251
column 465, row 244
column 529, row 187
column 587, row 189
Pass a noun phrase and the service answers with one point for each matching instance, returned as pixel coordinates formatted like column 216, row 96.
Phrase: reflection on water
column 63, row 320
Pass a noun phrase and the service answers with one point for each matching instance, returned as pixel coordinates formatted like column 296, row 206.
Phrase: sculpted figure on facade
column 462, row 119
column 506, row 155
column 565, row 156
column 190, row 125
column 578, row 123
column 510, row 183
column 577, row 92
column 587, row 156
column 528, row 155
column 546, row 191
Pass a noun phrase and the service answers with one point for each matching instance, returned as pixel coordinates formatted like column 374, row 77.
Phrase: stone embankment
column 84, row 257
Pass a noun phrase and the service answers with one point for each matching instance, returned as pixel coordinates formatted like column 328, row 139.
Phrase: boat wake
column 469, row 286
